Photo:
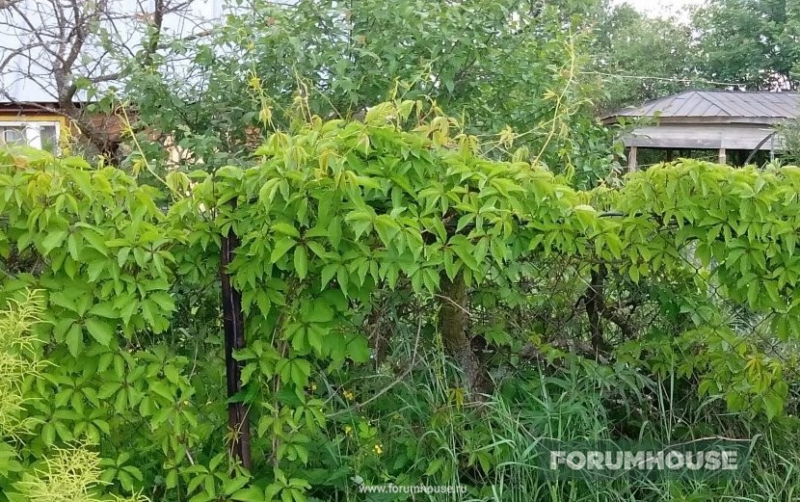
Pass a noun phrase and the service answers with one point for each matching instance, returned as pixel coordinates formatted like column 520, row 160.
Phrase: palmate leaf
column 285, row 229
column 301, row 262
column 74, row 339
column 281, row 248
column 100, row 330
column 52, row 240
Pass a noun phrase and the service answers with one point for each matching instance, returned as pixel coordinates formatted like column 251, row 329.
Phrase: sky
column 28, row 77
column 661, row 7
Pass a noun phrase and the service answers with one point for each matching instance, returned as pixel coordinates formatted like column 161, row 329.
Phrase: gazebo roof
column 728, row 107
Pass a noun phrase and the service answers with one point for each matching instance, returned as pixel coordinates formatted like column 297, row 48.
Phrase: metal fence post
column 233, row 318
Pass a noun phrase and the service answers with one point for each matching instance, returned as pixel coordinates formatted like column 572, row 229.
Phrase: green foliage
column 641, row 58
column 351, row 236
column 499, row 64
column 16, row 347
column 69, row 475
column 89, row 239
column 741, row 44
column 788, row 135
column 752, row 42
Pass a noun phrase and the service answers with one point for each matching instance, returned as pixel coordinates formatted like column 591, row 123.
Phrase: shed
column 722, row 121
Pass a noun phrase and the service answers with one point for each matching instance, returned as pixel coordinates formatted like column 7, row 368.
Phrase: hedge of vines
column 342, row 238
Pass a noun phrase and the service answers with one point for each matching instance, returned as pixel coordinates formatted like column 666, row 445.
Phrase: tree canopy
column 506, row 66
column 753, row 43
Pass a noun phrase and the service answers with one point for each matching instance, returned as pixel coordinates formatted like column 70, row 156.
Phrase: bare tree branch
column 5, row 4
column 55, row 47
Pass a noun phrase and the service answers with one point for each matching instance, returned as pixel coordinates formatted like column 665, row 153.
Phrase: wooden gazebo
column 726, row 122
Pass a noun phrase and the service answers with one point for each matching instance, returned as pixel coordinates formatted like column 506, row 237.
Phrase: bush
column 399, row 308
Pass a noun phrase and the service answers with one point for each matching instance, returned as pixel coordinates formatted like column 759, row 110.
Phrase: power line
column 665, row 79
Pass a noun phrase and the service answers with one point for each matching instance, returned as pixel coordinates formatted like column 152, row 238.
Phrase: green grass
column 492, row 448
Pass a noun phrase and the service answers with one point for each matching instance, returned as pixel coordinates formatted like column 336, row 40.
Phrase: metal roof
column 718, row 106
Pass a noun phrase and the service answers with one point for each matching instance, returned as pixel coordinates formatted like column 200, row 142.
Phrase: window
column 13, row 135
column 49, row 138
column 42, row 135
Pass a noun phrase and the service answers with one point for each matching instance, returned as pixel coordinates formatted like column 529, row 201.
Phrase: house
column 37, row 108
column 32, row 124
column 41, row 124
column 731, row 125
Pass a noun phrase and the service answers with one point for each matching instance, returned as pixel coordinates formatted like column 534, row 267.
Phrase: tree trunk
column 597, row 310
column 594, row 307
column 454, row 324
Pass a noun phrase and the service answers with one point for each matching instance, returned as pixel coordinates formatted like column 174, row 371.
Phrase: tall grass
column 492, row 448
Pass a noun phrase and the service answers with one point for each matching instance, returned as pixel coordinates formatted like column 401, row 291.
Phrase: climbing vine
column 219, row 321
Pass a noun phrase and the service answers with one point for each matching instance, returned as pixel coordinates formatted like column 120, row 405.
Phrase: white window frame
column 33, row 131
column 14, row 128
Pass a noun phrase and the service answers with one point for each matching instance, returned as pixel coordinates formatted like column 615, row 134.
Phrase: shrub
column 395, row 307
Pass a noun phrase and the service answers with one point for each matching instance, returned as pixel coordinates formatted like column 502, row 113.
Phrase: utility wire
column 666, row 79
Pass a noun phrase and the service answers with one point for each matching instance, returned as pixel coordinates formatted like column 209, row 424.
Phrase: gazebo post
column 632, row 165
column 772, row 148
column 723, row 158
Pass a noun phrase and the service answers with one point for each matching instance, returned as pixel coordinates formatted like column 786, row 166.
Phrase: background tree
column 729, row 44
column 638, row 58
column 755, row 43
column 501, row 64
column 66, row 55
